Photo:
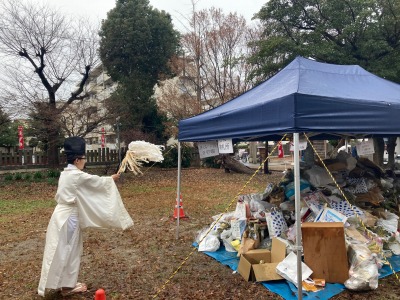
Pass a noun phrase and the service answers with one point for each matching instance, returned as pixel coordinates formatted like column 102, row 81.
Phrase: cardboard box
column 251, row 269
column 325, row 250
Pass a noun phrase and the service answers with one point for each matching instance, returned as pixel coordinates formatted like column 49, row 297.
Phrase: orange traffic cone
column 179, row 209
column 100, row 295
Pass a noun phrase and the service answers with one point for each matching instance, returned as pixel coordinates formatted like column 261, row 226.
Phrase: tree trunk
column 253, row 152
column 229, row 163
column 53, row 133
column 379, row 146
column 53, row 151
column 391, row 146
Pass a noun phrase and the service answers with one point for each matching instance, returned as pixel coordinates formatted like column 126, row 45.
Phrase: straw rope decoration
column 137, row 153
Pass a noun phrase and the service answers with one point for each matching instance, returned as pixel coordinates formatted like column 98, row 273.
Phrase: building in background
column 89, row 118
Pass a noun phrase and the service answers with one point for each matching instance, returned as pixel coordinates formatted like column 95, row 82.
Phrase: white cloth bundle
column 138, row 152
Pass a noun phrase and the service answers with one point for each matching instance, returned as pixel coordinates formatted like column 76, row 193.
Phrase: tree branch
column 76, row 93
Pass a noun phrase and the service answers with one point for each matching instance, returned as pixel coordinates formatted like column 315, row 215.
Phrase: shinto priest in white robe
column 83, row 201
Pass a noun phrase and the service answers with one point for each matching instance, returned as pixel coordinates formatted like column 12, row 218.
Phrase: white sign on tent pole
column 208, row 149
column 365, row 147
column 225, row 146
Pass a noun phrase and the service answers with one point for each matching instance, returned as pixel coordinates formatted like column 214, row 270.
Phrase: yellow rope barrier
column 352, row 208
column 215, row 222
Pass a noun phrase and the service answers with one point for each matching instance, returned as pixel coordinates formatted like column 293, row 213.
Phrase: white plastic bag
column 363, row 269
column 240, row 211
column 256, row 205
column 364, row 276
column 226, row 237
column 210, row 243
column 390, row 223
column 317, row 176
column 288, row 269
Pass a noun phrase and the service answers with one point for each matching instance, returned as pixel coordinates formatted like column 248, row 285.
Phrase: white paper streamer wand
column 139, row 152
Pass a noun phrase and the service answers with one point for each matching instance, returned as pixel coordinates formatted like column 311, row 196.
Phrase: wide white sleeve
column 100, row 204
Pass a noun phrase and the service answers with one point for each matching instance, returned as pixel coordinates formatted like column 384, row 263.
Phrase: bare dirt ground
column 137, row 263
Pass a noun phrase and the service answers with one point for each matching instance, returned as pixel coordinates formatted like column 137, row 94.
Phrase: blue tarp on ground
column 306, row 96
column 286, row 289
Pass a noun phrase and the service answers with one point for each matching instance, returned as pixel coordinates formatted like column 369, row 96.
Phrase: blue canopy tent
column 304, row 97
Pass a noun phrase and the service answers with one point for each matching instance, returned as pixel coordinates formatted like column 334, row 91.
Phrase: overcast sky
column 178, row 9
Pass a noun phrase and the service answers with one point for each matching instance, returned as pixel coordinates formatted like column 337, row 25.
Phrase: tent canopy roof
column 305, row 96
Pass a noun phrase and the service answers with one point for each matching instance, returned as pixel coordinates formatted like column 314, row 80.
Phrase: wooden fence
column 29, row 158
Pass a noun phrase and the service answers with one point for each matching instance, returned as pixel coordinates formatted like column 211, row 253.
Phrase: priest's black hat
column 74, row 146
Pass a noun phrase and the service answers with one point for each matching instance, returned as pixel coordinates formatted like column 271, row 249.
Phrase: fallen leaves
column 136, row 263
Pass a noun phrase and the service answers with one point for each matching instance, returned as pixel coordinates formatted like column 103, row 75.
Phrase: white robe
column 83, row 201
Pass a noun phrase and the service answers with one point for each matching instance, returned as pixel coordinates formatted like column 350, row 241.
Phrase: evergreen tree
column 8, row 130
column 362, row 32
column 136, row 45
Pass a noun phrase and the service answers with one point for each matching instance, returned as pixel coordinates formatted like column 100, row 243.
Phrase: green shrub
column 8, row 177
column 171, row 157
column 28, row 176
column 18, row 176
column 53, row 173
column 37, row 176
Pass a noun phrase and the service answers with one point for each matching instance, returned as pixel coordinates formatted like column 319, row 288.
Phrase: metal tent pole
column 178, row 190
column 298, row 220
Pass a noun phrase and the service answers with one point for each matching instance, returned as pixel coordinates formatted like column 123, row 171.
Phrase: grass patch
column 52, row 181
column 223, row 206
column 15, row 207
column 140, row 189
column 8, row 177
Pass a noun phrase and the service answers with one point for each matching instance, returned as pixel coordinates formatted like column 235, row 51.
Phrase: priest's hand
column 115, row 176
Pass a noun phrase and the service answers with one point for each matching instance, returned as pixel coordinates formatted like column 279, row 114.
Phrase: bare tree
column 4, row 118
column 177, row 97
column 212, row 67
column 83, row 117
column 217, row 46
column 59, row 51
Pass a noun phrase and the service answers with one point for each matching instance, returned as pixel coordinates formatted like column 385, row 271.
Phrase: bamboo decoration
column 139, row 152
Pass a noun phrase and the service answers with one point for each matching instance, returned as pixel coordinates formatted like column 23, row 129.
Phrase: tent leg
column 178, row 190
column 298, row 220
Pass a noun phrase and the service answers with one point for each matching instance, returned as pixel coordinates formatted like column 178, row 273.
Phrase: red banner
column 21, row 137
column 280, row 150
column 103, row 138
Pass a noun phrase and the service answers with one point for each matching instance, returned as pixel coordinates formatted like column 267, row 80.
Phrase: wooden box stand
column 325, row 251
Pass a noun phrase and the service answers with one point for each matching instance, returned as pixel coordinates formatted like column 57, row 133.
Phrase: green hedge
column 171, row 157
